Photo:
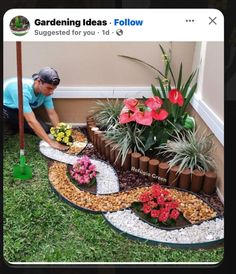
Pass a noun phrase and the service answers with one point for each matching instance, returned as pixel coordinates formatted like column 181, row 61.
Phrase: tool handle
column 20, row 94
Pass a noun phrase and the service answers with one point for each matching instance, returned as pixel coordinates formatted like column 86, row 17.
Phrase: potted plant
column 158, row 208
column 72, row 137
column 83, row 172
column 62, row 133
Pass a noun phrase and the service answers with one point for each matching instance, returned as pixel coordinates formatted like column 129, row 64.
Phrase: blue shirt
column 30, row 99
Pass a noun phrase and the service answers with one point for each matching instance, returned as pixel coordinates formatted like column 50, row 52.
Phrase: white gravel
column 107, row 180
column 127, row 221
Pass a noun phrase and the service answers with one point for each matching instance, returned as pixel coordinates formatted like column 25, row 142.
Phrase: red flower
column 155, row 213
column 152, row 204
column 126, row 117
column 131, row 104
column 144, row 197
column 154, row 102
column 164, row 215
column 174, row 214
column 176, row 97
column 161, row 200
column 146, row 208
column 159, row 115
column 143, row 118
column 156, row 191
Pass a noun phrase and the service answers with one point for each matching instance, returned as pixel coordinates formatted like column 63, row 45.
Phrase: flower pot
column 97, row 142
column 209, row 183
column 197, row 180
column 185, row 179
column 173, row 176
column 107, row 149
column 102, row 148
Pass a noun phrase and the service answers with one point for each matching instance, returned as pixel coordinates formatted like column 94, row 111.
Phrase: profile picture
column 19, row 25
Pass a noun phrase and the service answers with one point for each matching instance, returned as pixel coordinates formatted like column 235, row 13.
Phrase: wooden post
column 127, row 163
column 209, row 183
column 197, row 180
column 153, row 169
column 135, row 160
column 173, row 176
column 185, row 179
column 163, row 173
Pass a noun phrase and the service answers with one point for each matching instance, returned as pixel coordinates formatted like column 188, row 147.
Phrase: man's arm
column 53, row 117
column 39, row 131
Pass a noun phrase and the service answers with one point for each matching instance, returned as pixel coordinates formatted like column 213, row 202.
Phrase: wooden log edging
column 155, row 170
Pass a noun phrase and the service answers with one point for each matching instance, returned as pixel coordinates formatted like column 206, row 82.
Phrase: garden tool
column 22, row 170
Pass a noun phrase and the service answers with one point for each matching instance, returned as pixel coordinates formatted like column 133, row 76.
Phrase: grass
column 39, row 227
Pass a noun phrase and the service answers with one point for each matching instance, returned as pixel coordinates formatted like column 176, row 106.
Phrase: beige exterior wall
column 218, row 152
column 97, row 63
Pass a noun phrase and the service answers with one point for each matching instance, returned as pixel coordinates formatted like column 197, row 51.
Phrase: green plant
column 187, row 150
column 106, row 114
column 176, row 95
column 127, row 137
column 18, row 22
column 62, row 133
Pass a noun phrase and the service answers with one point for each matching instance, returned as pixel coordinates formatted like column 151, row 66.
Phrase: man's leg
column 11, row 119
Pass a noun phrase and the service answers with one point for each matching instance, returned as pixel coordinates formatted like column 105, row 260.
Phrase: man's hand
column 59, row 146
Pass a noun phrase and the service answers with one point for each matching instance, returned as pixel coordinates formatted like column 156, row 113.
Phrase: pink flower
column 143, row 118
column 131, row 104
column 160, row 114
column 176, row 97
column 126, row 117
column 154, row 102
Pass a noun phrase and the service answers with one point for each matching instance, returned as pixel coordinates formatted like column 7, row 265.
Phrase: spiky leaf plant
column 189, row 149
column 106, row 114
column 127, row 136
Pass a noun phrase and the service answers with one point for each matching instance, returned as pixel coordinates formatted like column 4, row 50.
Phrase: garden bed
column 124, row 189
column 154, row 169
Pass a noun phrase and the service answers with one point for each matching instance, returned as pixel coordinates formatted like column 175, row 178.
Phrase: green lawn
column 39, row 227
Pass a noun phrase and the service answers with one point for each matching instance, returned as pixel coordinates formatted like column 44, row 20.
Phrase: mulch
column 129, row 180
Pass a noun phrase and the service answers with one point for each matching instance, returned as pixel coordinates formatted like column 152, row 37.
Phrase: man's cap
column 47, row 75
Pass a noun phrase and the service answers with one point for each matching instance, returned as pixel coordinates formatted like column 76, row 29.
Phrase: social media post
column 113, row 137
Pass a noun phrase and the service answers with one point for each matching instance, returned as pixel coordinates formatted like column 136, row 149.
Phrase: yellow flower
column 66, row 140
column 61, row 134
column 52, row 130
column 58, row 139
column 68, row 132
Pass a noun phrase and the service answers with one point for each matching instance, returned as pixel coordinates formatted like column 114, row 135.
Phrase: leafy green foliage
column 106, row 114
column 187, row 150
column 127, row 136
column 160, row 131
column 39, row 227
